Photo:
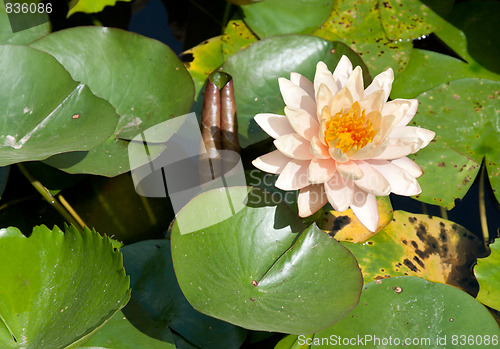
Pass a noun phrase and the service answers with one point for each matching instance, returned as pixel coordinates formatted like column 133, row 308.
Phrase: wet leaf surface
column 487, row 271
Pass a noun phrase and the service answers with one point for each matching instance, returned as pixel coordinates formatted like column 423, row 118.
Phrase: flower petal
column 321, row 170
column 373, row 182
column 338, row 155
column 302, row 122
column 302, row 82
column 342, row 101
column 342, row 71
column 409, row 166
column 273, row 162
column 293, row 176
column 339, row 192
column 350, row 170
column 364, row 206
column 296, row 97
column 311, row 199
column 373, row 102
column 318, row 149
column 324, row 98
column 409, row 114
column 355, row 84
column 274, row 125
column 325, row 77
column 402, row 183
column 382, row 82
column 294, row 146
column 363, row 153
column 405, row 140
column 402, row 109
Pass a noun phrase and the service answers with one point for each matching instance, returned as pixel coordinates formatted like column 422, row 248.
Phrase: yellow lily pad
column 419, row 245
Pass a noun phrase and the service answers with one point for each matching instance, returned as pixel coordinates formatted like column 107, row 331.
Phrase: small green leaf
column 488, row 275
column 135, row 74
column 292, row 342
column 275, row 17
column 464, row 115
column 44, row 111
column 90, row 6
column 119, row 333
column 57, row 287
column 261, row 269
column 256, row 69
column 408, row 307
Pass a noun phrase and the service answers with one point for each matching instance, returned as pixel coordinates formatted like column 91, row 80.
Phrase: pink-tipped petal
column 342, row 72
column 302, row 122
column 296, row 97
column 321, row 170
column 274, row 125
column 402, row 183
column 364, row 206
column 409, row 166
column 339, row 192
column 294, row 146
column 383, row 82
column 302, row 82
column 293, row 176
column 355, row 84
column 325, row 77
column 273, row 162
column 350, row 170
column 373, row 182
column 318, row 149
column 311, row 199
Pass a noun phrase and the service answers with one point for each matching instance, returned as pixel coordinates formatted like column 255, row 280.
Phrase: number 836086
column 28, row 7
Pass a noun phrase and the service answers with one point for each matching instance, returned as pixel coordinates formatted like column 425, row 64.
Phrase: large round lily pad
column 261, row 268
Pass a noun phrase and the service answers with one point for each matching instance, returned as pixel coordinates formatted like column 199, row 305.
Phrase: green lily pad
column 90, row 6
column 420, row 245
column 44, row 111
column 119, row 333
column 358, row 25
column 261, row 268
column 158, row 305
column 256, row 69
column 488, row 275
column 275, row 17
column 57, row 287
column 407, row 19
column 135, row 74
column 429, row 314
column 236, row 36
column 464, row 115
column 21, row 37
column 292, row 342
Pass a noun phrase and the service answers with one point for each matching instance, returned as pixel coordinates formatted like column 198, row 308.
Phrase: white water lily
column 341, row 143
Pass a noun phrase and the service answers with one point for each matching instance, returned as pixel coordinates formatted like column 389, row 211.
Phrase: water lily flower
column 341, row 143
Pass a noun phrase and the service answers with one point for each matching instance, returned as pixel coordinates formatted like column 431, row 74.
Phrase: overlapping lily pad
column 90, row 6
column 464, row 114
column 44, row 111
column 261, row 268
column 22, row 37
column 275, row 17
column 428, row 314
column 158, row 305
column 135, row 74
column 256, row 69
column 57, row 287
column 420, row 245
column 487, row 271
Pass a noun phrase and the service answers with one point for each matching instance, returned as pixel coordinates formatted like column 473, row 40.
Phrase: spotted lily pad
column 487, row 272
column 413, row 312
column 465, row 116
column 420, row 245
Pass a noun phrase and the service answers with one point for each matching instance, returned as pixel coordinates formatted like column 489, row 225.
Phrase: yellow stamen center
column 351, row 129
